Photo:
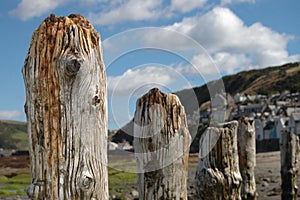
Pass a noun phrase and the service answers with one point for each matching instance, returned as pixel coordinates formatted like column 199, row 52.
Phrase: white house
column 124, row 146
column 252, row 97
column 270, row 130
column 281, row 124
column 239, row 97
column 291, row 110
column 259, row 128
column 112, row 146
column 219, row 104
column 295, row 123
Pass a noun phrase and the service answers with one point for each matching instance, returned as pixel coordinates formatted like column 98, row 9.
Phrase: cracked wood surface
column 218, row 176
column 161, row 146
column 289, row 155
column 247, row 157
column 66, row 110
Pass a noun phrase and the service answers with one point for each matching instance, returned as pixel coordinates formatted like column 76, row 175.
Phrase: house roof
column 291, row 110
column 272, row 107
column 284, row 121
column 296, row 116
column 252, row 106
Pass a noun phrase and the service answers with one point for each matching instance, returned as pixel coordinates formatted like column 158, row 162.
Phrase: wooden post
column 218, row 176
column 289, row 154
column 247, row 157
column 66, row 110
column 161, row 146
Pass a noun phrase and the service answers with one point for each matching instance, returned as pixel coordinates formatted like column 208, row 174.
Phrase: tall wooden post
column 289, row 154
column 247, row 157
column 66, row 111
column 161, row 146
column 218, row 176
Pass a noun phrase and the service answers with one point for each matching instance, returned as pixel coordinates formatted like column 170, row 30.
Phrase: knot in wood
column 96, row 101
column 35, row 189
column 73, row 66
column 86, row 183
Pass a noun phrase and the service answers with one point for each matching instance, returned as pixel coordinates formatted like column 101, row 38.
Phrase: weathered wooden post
column 289, row 154
column 218, row 176
column 66, row 110
column 247, row 157
column 161, row 146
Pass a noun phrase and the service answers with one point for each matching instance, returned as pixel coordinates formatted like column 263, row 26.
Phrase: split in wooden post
column 161, row 146
column 247, row 157
column 289, row 155
column 63, row 74
column 218, row 176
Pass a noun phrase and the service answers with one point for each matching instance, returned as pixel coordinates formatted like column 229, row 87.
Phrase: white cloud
column 132, row 10
column 96, row 1
column 135, row 82
column 185, row 6
column 202, row 65
column 141, row 10
column 28, row 9
column 224, row 2
column 211, row 68
column 230, row 63
column 11, row 114
column 220, row 30
column 232, row 45
column 134, row 79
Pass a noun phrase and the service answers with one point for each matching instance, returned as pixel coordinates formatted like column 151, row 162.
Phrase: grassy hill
column 13, row 135
column 265, row 81
column 260, row 81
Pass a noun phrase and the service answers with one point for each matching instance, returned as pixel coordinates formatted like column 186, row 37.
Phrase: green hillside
column 260, row 81
column 13, row 135
column 265, row 81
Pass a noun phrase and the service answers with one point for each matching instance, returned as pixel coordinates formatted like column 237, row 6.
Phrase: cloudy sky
column 170, row 44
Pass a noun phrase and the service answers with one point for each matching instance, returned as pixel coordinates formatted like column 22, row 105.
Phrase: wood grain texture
column 247, row 157
column 289, row 155
column 218, row 176
column 161, row 146
column 66, row 110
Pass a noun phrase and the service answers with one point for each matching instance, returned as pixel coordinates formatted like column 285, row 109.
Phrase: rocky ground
column 267, row 174
column 268, row 180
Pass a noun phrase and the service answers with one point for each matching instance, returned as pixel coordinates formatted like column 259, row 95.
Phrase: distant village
column 272, row 114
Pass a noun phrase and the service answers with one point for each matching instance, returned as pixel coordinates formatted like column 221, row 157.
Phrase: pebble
column 265, row 184
column 267, row 180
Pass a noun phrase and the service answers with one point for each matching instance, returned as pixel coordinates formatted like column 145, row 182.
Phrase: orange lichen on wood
column 63, row 73
column 161, row 143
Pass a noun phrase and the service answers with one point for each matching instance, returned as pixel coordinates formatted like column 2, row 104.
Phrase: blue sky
column 189, row 42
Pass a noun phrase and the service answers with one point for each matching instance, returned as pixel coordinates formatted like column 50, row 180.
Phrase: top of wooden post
column 63, row 23
column 155, row 96
column 66, row 109
column 166, row 102
column 64, row 38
